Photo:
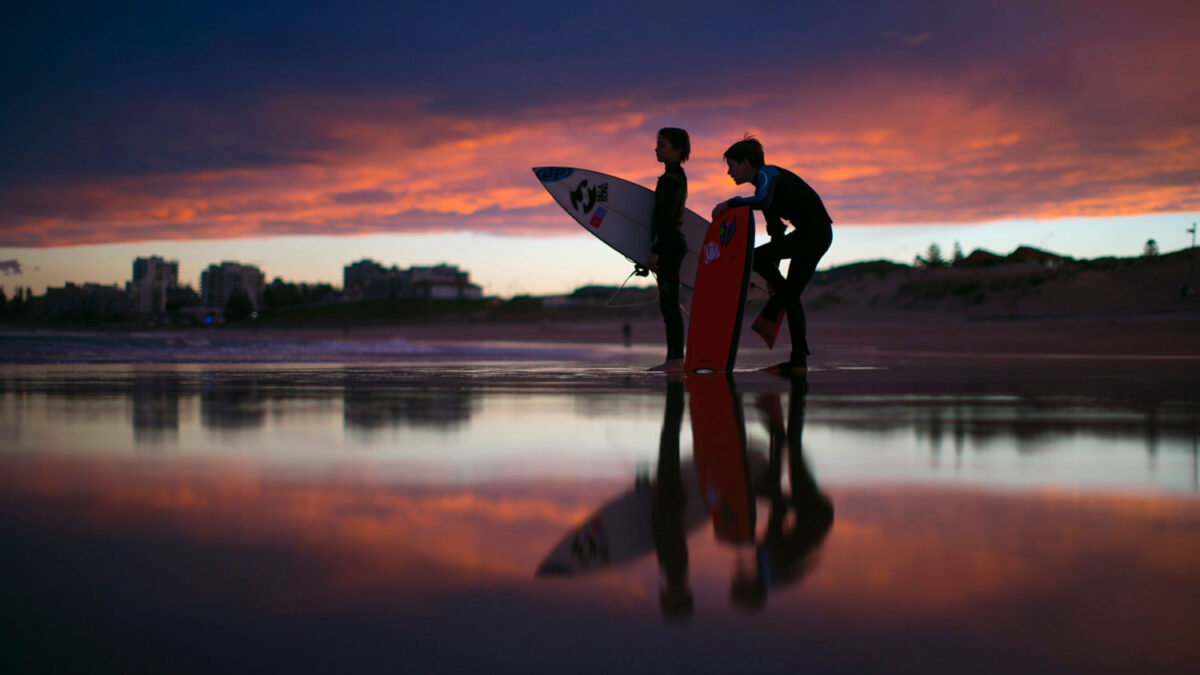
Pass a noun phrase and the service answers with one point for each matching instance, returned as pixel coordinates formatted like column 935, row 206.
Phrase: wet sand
column 1159, row 334
column 1012, row 496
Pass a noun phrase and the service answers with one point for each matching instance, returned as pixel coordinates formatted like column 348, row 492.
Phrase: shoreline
column 1159, row 334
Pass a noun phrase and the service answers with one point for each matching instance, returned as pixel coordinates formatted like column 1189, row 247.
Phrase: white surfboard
column 618, row 213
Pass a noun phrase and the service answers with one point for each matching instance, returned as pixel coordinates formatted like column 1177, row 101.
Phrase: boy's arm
column 766, row 180
column 775, row 225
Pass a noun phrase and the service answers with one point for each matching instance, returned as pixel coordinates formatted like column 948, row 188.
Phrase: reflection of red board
column 720, row 291
column 722, row 467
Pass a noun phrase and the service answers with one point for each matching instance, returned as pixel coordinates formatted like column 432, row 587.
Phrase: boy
column 781, row 195
column 667, row 245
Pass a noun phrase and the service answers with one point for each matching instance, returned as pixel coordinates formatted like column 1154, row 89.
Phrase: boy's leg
column 804, row 265
column 766, row 263
column 668, row 304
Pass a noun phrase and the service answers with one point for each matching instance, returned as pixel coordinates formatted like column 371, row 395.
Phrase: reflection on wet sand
column 366, row 399
column 799, row 518
column 727, row 480
column 155, row 404
column 371, row 407
column 236, row 562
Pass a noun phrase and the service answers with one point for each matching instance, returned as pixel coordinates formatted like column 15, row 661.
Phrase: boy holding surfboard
column 667, row 245
column 781, row 195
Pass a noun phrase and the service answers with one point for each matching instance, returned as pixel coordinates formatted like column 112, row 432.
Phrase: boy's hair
column 747, row 149
column 678, row 138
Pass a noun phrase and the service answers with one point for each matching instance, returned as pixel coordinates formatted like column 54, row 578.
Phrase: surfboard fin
column 767, row 328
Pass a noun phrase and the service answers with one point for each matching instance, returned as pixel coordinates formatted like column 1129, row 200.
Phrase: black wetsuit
column 782, row 195
column 666, row 240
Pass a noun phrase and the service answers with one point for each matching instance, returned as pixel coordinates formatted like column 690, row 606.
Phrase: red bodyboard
column 720, row 291
column 719, row 448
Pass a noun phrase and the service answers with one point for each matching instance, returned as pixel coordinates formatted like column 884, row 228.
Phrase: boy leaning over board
column 781, row 195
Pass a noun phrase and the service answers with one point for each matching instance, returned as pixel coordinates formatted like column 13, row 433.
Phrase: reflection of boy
column 782, row 195
column 670, row 537
column 667, row 245
column 785, row 554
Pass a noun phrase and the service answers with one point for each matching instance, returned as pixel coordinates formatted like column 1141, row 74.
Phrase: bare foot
column 668, row 366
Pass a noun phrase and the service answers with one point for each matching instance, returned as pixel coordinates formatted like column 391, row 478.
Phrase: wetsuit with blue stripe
column 782, row 195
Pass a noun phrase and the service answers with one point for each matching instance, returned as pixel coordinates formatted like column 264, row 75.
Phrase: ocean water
column 173, row 504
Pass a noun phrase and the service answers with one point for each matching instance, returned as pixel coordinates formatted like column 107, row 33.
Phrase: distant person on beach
column 667, row 245
column 781, row 195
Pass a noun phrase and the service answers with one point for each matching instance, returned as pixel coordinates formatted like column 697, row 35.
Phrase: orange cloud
column 1045, row 134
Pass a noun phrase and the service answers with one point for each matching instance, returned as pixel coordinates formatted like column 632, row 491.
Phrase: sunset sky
column 304, row 136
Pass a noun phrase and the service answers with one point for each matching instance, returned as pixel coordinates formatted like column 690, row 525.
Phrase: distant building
column 84, row 303
column 442, row 282
column 219, row 283
column 153, row 281
column 368, row 279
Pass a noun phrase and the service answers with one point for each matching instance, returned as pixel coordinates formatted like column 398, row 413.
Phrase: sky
column 301, row 137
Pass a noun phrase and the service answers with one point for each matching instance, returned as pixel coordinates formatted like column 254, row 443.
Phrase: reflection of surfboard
column 621, row 531
column 618, row 213
column 720, row 292
column 722, row 463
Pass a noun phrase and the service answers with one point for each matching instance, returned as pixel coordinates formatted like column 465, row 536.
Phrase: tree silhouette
column 933, row 257
column 239, row 307
column 1151, row 249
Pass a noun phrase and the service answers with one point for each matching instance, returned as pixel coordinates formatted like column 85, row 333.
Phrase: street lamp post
column 1192, row 262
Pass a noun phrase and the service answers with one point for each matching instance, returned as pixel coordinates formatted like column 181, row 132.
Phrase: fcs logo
column 584, row 198
column 549, row 174
column 711, row 252
column 726, row 234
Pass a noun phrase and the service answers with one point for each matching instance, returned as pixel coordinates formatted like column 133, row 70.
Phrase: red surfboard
column 719, row 450
column 720, row 291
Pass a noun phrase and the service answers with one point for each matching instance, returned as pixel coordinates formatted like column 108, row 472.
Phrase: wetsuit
column 666, row 240
column 782, row 195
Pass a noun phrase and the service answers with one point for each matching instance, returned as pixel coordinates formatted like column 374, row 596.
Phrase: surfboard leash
column 640, row 271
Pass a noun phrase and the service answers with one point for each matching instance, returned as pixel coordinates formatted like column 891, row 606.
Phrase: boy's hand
column 718, row 209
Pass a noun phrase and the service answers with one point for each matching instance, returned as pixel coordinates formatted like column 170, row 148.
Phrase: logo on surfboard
column 726, row 234
column 584, row 198
column 549, row 174
column 590, row 545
